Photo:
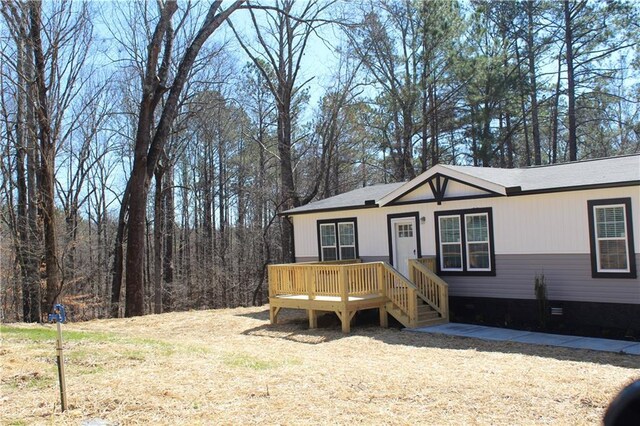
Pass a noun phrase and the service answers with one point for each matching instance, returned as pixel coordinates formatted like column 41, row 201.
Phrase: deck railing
column 331, row 262
column 431, row 288
column 429, row 262
column 314, row 279
column 400, row 292
column 362, row 279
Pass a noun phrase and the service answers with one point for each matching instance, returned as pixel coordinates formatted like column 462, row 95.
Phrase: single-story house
column 492, row 231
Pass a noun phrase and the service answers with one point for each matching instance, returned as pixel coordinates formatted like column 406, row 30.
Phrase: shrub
column 540, row 289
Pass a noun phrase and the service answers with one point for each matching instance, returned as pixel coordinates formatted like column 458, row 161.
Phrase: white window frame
column 462, row 216
column 459, row 243
column 339, row 240
column 598, row 239
column 335, row 224
column 334, row 246
column 467, row 242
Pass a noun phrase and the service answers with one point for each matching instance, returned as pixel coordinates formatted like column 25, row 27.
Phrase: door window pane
column 405, row 230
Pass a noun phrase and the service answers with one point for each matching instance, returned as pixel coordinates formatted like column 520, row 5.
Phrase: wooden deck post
column 412, row 307
column 343, row 285
column 311, row 283
column 444, row 302
column 273, row 314
column 384, row 319
column 313, row 318
column 382, row 289
column 412, row 271
column 345, row 318
column 271, row 279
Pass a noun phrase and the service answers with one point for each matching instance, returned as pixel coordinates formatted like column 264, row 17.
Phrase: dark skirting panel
column 608, row 320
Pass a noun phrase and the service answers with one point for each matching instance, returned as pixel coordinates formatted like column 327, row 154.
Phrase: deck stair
column 417, row 301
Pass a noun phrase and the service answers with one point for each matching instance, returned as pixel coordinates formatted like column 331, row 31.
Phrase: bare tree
column 57, row 45
column 151, row 136
column 282, row 39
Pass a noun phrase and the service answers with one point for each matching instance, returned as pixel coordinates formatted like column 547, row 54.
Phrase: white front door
column 405, row 244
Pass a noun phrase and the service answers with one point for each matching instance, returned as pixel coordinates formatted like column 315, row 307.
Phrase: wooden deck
column 347, row 288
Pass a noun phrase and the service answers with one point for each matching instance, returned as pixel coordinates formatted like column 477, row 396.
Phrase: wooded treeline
column 147, row 148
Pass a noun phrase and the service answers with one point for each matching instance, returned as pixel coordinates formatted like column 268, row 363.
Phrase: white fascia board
column 445, row 171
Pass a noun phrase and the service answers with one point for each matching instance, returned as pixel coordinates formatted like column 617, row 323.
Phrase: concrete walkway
column 521, row 336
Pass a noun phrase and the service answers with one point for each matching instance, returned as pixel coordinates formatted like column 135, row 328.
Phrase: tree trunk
column 573, row 145
column 554, row 114
column 47, row 162
column 151, row 137
column 118, row 255
column 134, row 280
column 533, row 90
column 158, row 234
column 27, row 249
column 435, row 149
column 169, row 206
column 287, row 187
column 523, row 109
column 509, row 142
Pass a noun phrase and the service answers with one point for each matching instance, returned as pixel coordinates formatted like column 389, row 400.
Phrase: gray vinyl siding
column 568, row 277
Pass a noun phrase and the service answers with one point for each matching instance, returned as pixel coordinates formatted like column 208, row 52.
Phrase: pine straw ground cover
column 231, row 367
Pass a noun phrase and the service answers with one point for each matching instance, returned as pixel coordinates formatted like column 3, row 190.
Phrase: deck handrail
column 428, row 261
column 400, row 292
column 330, row 262
column 430, row 287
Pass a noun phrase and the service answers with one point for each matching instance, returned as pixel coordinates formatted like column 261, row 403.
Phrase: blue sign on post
column 58, row 314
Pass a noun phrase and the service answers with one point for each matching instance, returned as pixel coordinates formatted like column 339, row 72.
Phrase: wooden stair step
column 428, row 315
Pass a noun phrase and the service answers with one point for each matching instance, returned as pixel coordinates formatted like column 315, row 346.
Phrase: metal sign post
column 58, row 316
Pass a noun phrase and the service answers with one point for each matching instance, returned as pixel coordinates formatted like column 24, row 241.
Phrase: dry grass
column 231, row 367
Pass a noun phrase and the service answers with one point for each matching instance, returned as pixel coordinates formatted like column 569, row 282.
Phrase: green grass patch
column 33, row 380
column 158, row 347
column 196, row 349
column 38, row 334
column 242, row 360
column 135, row 355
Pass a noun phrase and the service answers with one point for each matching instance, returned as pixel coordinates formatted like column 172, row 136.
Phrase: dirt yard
column 231, row 367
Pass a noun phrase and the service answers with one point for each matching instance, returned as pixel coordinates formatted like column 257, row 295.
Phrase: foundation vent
column 556, row 311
